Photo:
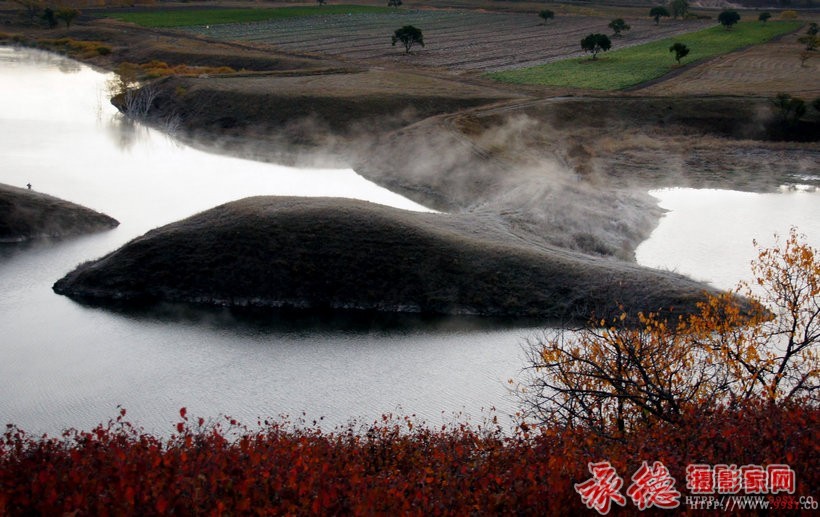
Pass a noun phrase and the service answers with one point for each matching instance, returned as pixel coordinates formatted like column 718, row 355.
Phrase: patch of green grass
column 620, row 69
column 186, row 17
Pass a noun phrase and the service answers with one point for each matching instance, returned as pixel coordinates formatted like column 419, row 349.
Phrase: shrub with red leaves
column 391, row 467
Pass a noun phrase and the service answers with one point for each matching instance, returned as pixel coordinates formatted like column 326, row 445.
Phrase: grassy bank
column 627, row 67
column 186, row 17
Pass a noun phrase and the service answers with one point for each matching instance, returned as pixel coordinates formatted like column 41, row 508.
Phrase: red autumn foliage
column 391, row 467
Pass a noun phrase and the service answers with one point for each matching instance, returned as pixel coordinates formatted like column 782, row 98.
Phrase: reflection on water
column 57, row 132
column 65, row 364
column 708, row 234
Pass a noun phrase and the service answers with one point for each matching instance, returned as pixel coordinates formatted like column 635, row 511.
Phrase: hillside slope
column 26, row 214
column 324, row 253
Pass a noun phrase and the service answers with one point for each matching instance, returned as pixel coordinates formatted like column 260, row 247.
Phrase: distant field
column 454, row 39
column 189, row 17
column 627, row 67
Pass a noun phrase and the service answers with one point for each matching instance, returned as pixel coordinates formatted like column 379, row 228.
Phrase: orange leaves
column 619, row 375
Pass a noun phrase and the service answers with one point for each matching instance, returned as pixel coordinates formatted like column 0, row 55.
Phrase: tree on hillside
column 791, row 109
column 49, row 17
column 393, row 3
column 811, row 41
column 728, row 18
column 680, row 50
column 546, row 15
column 617, row 25
column 658, row 12
column 595, row 43
column 408, row 36
column 679, row 8
column 616, row 375
column 67, row 15
column 764, row 16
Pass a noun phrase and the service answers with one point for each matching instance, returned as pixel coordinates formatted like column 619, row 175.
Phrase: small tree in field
column 546, row 15
column 680, row 50
column 408, row 36
column 618, row 25
column 764, row 16
column 658, row 12
column 67, row 15
column 49, row 17
column 791, row 109
column 618, row 375
column 595, row 43
column 728, row 18
column 679, row 8
column 811, row 40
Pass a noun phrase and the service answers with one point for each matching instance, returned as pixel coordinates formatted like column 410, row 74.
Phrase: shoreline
column 547, row 171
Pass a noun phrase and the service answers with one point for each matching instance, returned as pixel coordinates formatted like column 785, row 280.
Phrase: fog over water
column 63, row 364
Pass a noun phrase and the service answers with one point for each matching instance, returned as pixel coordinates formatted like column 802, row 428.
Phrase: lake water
column 708, row 234
column 66, row 365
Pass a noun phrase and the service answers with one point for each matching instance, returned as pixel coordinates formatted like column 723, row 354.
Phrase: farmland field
column 184, row 17
column 458, row 40
column 628, row 67
column 771, row 68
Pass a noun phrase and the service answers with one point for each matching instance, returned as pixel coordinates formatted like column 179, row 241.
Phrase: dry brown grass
column 324, row 253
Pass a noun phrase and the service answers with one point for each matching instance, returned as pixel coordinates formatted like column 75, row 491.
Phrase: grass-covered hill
column 26, row 214
column 318, row 253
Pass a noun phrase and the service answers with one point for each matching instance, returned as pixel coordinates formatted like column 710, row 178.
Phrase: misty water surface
column 63, row 364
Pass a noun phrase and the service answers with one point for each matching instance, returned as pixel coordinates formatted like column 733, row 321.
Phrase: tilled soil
column 454, row 40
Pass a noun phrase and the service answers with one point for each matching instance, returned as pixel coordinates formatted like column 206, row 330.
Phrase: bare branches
column 616, row 375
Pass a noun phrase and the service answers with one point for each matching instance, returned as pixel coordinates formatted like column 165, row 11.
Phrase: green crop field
column 618, row 69
column 189, row 17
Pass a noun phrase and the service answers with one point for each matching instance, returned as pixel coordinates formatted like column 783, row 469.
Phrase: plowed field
column 763, row 69
column 455, row 40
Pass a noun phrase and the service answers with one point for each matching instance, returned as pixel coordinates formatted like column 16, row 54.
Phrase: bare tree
column 618, row 374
